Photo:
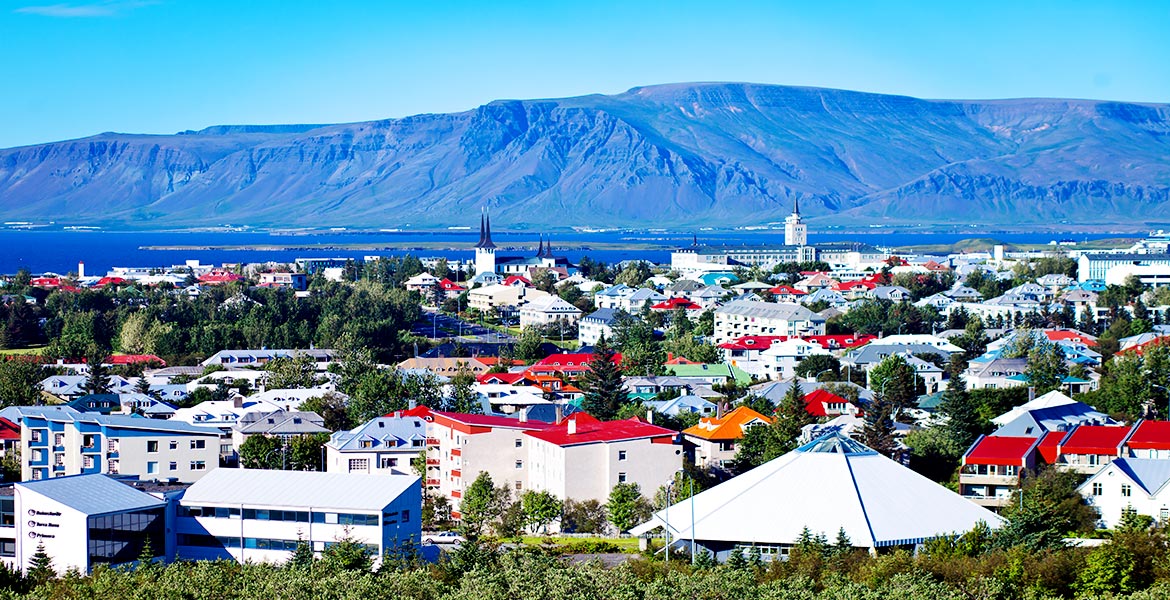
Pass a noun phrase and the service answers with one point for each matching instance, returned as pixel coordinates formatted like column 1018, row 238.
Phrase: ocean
column 59, row 251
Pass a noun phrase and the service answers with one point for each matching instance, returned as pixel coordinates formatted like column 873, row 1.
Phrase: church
column 697, row 259
column 487, row 261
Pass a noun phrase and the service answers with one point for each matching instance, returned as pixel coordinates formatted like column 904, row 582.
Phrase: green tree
column 604, row 395
column 635, row 274
column 480, row 506
column 759, row 444
column 307, row 452
column 262, row 452
column 627, row 507
column 19, row 376
column 585, row 516
column 1109, row 569
column 791, row 415
column 540, row 509
column 528, row 345
column 642, row 354
column 877, row 432
column 97, row 380
column 302, row 557
column 822, row 367
column 1046, row 510
column 462, row 397
column 897, row 383
column 1046, row 367
column 40, row 567
column 298, row 372
column 331, row 407
column 347, row 554
column 962, row 421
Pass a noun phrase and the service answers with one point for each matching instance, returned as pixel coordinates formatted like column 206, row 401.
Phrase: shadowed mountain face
column 685, row 154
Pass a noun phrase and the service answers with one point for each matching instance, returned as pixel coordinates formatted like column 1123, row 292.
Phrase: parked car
column 443, row 537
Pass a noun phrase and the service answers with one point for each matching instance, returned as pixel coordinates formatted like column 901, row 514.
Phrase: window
column 359, row 464
column 38, row 455
column 519, row 485
column 89, row 441
column 1126, row 490
column 152, row 467
column 113, row 468
column 519, row 464
column 112, row 445
column 35, row 435
column 406, row 516
column 152, row 446
column 198, row 465
column 387, row 462
column 366, row 444
column 621, row 477
column 621, row 454
column 519, row 443
column 197, row 444
column 1098, row 489
column 59, row 459
column 87, row 462
column 173, row 466
column 58, row 439
column 174, row 445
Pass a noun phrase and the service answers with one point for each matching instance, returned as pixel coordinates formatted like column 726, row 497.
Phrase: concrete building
column 547, row 310
column 583, row 458
column 1096, row 265
column 596, row 324
column 58, row 442
column 500, row 295
column 383, row 446
column 737, row 319
column 992, row 467
column 714, row 441
column 259, row 515
column 1137, row 484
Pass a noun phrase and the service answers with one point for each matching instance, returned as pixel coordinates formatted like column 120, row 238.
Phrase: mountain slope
column 684, row 154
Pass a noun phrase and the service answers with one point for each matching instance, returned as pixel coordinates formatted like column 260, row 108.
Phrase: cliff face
column 686, row 154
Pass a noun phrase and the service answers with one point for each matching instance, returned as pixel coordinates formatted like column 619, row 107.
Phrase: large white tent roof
column 830, row 483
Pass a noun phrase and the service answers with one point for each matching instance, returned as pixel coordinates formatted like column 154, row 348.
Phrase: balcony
column 975, row 479
column 456, row 453
column 456, row 494
column 432, row 482
column 432, row 462
column 457, row 473
column 432, row 441
column 989, row 501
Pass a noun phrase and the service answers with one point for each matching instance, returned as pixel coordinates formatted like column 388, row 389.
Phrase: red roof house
column 674, row 303
column 218, row 277
column 1149, row 439
column 1089, row 447
column 820, row 403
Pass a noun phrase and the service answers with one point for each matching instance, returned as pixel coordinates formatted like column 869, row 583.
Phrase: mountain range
column 703, row 154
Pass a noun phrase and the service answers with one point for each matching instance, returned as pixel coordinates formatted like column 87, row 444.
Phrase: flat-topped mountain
column 705, row 154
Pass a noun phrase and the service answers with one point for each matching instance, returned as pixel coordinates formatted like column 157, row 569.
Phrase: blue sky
column 73, row 68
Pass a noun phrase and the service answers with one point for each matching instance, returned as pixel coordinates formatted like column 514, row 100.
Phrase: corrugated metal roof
column 93, row 494
column 344, row 491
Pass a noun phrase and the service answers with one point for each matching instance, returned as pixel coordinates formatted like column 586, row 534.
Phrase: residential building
column 56, row 442
column 780, row 360
column 714, row 441
column 582, row 458
column 1129, row 483
column 596, row 324
column 737, row 319
column 547, row 310
column 499, row 296
column 294, row 281
column 281, row 424
column 992, row 467
column 260, row 515
column 383, row 446
column 259, row 358
column 1087, row 448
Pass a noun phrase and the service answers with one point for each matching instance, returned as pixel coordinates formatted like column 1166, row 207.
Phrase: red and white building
column 992, row 467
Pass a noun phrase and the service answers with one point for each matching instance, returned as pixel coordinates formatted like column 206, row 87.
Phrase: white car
column 443, row 537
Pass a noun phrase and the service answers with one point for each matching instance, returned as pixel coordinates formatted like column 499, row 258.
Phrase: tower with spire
column 485, row 250
column 795, row 232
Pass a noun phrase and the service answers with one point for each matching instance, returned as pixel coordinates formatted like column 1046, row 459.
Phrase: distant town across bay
column 54, row 249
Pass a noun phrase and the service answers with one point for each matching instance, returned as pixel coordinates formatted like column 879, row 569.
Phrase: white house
column 781, row 358
column 740, row 318
column 383, row 446
column 550, row 309
column 1137, row 483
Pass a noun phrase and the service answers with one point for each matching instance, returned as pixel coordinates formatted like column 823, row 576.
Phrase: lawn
column 627, row 544
column 33, row 350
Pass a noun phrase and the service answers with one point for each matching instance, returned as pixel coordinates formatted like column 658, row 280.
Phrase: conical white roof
column 829, row 483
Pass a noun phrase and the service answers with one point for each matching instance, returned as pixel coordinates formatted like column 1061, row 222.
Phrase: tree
column 817, row 365
column 642, row 354
column 40, row 567
column 897, row 383
column 19, row 376
column 331, row 407
column 302, row 557
column 759, row 444
column 791, row 415
column 97, row 381
column 586, row 516
column 306, row 452
column 528, row 345
column 480, row 506
column 604, row 395
column 463, row 398
column 540, row 509
column 878, row 430
column 627, row 507
column 963, row 423
column 1045, row 511
column 347, row 554
column 262, row 452
column 635, row 274
column 298, row 372
column 1046, row 368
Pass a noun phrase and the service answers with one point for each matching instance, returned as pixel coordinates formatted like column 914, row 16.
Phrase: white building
column 780, row 360
column 82, row 521
column 499, row 295
column 583, row 458
column 550, row 309
column 1129, row 483
column 58, row 441
column 260, row 515
column 383, row 446
column 737, row 319
column 596, row 324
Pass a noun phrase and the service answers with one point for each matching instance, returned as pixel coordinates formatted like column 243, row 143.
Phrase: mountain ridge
column 709, row 154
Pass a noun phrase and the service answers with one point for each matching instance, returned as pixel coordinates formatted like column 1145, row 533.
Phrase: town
column 738, row 404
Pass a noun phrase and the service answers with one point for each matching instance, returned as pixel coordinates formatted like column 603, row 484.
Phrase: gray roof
column 769, row 310
column 876, row 352
column 603, row 315
column 93, row 494
column 298, row 489
column 54, row 413
column 279, row 422
column 1150, row 473
column 775, row 390
column 384, row 432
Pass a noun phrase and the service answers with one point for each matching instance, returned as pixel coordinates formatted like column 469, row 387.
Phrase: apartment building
column 744, row 317
column 384, row 446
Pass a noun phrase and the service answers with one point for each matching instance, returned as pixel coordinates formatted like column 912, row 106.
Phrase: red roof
column 131, row 359
column 1000, row 450
column 1049, row 446
column 104, row 281
column 45, row 281
column 828, row 342
column 931, row 265
column 1150, row 435
column 9, row 430
column 590, row 431
column 832, row 342
column 674, row 303
column 1141, row 348
column 787, row 290
column 815, row 402
column 220, row 277
column 1094, row 439
column 1058, row 335
column 848, row 285
column 505, row 378
column 446, row 418
column 753, row 342
column 451, row 286
column 511, row 279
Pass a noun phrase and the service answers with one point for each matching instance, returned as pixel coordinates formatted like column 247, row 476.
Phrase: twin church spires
column 485, row 237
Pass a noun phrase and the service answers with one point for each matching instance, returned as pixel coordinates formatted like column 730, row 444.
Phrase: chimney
column 238, row 401
column 397, row 414
column 523, row 415
column 650, row 416
column 572, row 426
column 1031, row 393
column 560, row 413
column 80, row 270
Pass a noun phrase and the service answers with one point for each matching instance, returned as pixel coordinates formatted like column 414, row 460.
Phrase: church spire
column 796, row 206
column 485, row 230
column 548, row 247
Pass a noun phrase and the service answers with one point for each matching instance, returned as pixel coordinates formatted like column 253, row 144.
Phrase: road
column 436, row 325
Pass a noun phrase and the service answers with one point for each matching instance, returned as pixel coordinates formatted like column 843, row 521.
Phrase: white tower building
column 795, row 232
column 485, row 250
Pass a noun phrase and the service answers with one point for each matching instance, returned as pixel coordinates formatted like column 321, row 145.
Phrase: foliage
column 331, row 407
column 462, row 397
column 263, row 452
column 815, row 367
column 306, row 452
column 540, row 509
column 480, row 506
column 583, row 516
column 1045, row 510
column 759, row 444
column 602, row 384
column 877, row 432
column 19, row 376
column 896, row 381
column 627, row 507
column 297, row 372
column 40, row 567
column 962, row 421
column 1046, row 367
column 791, row 415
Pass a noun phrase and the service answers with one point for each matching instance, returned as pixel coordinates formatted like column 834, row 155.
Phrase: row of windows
column 225, row 512
column 212, row 541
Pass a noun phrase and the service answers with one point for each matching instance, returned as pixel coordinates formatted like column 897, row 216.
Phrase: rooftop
column 93, row 494
column 590, row 431
column 260, row 487
column 1000, row 450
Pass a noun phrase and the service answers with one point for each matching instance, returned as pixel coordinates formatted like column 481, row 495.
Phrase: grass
column 627, row 544
column 32, row 350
